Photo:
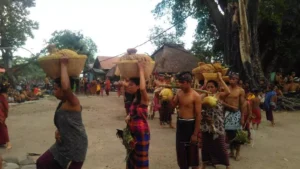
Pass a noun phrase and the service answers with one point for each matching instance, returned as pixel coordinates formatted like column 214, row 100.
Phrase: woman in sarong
column 69, row 150
column 4, row 138
column 155, row 104
column 137, row 122
column 270, row 103
column 256, row 115
column 248, row 118
column 107, row 86
column 212, row 126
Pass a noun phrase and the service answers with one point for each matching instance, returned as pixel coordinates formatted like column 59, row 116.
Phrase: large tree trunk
column 7, row 59
column 253, row 22
column 241, row 51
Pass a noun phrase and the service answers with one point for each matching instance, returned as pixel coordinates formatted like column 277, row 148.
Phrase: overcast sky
column 114, row 25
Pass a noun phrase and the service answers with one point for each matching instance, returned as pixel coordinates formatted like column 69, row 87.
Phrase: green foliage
column 278, row 29
column 25, row 69
column 15, row 27
column 76, row 41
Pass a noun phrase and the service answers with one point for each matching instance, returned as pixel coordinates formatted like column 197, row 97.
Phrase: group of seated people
column 289, row 85
column 16, row 96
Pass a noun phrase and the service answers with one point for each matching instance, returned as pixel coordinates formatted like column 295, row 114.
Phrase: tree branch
column 217, row 17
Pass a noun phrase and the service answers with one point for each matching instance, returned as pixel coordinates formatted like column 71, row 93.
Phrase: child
column 247, row 117
column 256, row 114
column 270, row 103
column 98, row 88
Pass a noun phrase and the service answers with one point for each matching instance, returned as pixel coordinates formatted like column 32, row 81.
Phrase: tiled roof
column 107, row 62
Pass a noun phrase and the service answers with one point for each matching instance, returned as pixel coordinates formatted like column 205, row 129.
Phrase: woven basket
column 199, row 76
column 224, row 71
column 225, row 78
column 210, row 76
column 214, row 76
column 52, row 66
column 129, row 68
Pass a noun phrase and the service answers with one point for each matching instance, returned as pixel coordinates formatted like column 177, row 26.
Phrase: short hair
column 185, row 77
column 72, row 82
column 214, row 82
column 135, row 80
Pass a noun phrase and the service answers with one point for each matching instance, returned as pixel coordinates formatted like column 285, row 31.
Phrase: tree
column 15, row 28
column 32, row 70
column 159, row 37
column 76, row 41
column 272, row 35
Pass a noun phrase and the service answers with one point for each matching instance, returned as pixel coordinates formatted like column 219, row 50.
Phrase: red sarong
column 3, row 115
column 256, row 116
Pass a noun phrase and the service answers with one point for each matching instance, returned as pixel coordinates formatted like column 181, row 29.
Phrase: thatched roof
column 111, row 72
column 173, row 59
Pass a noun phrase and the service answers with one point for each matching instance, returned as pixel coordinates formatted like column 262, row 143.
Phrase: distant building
column 106, row 64
column 172, row 58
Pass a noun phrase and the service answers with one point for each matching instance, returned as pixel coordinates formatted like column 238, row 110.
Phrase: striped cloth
column 214, row 150
column 139, row 128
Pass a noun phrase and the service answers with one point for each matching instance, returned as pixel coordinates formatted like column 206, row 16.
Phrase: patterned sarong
column 214, row 150
column 232, row 120
column 138, row 159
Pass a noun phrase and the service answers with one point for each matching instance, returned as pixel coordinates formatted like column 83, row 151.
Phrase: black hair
column 185, row 77
column 231, row 74
column 72, row 82
column 271, row 87
column 213, row 82
column 138, row 96
column 3, row 88
column 135, row 80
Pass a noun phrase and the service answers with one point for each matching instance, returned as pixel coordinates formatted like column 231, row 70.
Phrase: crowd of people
column 200, row 127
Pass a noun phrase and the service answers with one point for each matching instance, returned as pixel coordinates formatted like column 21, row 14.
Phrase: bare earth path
column 31, row 129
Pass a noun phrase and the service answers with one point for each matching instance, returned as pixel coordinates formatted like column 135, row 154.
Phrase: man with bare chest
column 234, row 114
column 188, row 123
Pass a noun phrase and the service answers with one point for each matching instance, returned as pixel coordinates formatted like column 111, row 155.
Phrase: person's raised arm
column 226, row 92
column 65, row 83
column 144, row 94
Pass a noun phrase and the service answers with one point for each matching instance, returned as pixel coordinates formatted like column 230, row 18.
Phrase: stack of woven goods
column 209, row 71
column 51, row 63
column 127, row 66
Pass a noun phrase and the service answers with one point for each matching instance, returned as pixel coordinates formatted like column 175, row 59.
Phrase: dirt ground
column 31, row 130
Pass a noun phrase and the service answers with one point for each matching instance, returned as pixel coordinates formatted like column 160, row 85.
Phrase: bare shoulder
column 242, row 91
column 179, row 92
column 196, row 95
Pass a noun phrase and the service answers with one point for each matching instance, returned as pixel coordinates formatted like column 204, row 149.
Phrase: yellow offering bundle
column 51, row 63
column 166, row 94
column 127, row 67
column 209, row 71
column 209, row 101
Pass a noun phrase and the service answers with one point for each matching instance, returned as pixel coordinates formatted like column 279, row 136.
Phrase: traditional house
column 172, row 58
column 106, row 63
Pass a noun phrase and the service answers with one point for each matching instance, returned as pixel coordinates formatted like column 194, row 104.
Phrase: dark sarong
column 4, row 138
column 47, row 161
column 165, row 112
column 269, row 114
column 138, row 159
column 187, row 154
column 214, row 150
column 230, row 136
